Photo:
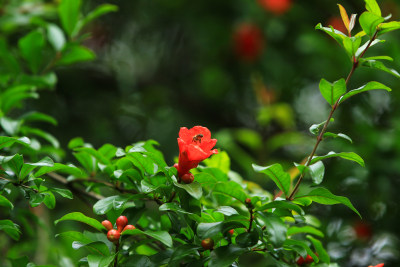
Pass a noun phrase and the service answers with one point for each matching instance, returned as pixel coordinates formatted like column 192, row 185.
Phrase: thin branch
column 334, row 107
column 21, row 185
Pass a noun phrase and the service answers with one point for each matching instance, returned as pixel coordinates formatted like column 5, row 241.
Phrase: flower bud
column 129, row 227
column 107, row 224
column 187, row 178
column 122, row 221
column 207, row 244
column 113, row 235
column 231, row 232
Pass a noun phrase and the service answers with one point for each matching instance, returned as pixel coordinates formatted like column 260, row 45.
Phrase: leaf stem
column 334, row 107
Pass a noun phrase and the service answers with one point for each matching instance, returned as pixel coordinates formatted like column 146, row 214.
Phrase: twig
column 334, row 107
column 21, row 185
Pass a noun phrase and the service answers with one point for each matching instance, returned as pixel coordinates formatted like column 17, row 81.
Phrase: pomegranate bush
column 145, row 211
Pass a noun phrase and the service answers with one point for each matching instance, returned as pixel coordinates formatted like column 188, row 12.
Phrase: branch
column 334, row 107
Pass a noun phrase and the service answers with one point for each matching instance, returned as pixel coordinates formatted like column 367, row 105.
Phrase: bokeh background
column 249, row 71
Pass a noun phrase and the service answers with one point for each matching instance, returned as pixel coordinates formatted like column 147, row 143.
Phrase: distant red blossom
column 337, row 24
column 379, row 265
column 195, row 145
column 278, row 7
column 248, row 42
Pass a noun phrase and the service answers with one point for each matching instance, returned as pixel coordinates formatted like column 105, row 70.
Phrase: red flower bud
column 231, row 232
column 207, row 243
column 113, row 235
column 308, row 259
column 122, row 221
column 129, row 227
column 379, row 265
column 300, row 261
column 187, row 178
column 107, row 224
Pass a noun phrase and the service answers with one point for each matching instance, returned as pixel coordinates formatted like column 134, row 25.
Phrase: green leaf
column 38, row 116
column 351, row 45
column 97, row 247
column 63, row 192
column 246, row 239
column 281, row 204
column 324, row 196
column 76, row 142
column 75, row 53
column 10, row 126
column 373, row 7
column 98, row 260
column 183, row 251
column 31, row 47
column 332, row 91
column 335, row 34
column 106, row 204
column 231, row 189
column 6, row 141
column 220, row 161
column 5, row 202
column 173, row 207
column 317, row 172
column 322, row 254
column 388, row 27
column 378, row 58
column 70, row 169
column 97, row 12
column 68, row 11
column 341, row 135
column 227, row 211
column 161, row 236
column 10, row 229
column 304, row 230
column 275, row 228
column 345, row 155
column 77, row 216
column 369, row 22
column 277, row 174
column 14, row 96
column 194, row 189
column 14, row 162
column 55, row 36
column 49, row 200
column 35, row 199
column 380, row 66
column 45, row 162
column 368, row 87
column 38, row 132
column 226, row 255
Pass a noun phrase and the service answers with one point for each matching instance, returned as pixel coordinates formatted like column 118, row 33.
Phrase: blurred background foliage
column 249, row 71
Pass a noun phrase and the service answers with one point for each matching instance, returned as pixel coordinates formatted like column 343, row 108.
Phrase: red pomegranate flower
column 195, row 145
